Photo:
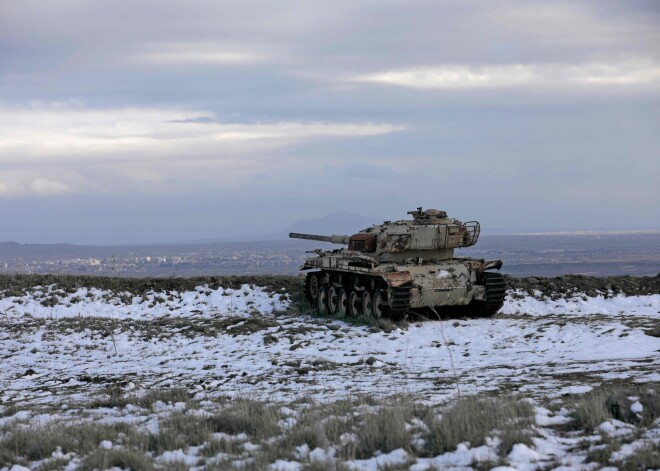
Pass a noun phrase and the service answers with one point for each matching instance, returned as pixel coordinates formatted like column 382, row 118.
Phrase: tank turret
column 394, row 267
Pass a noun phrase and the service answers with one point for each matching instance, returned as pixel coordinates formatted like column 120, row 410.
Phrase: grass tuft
column 591, row 411
column 117, row 458
column 245, row 416
column 596, row 407
column 645, row 457
column 384, row 431
column 165, row 395
column 39, row 442
column 472, row 419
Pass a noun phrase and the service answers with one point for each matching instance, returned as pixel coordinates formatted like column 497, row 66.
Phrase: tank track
column 401, row 296
column 395, row 306
column 495, row 294
column 398, row 304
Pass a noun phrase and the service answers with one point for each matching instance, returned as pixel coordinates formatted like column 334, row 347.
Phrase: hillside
column 235, row 373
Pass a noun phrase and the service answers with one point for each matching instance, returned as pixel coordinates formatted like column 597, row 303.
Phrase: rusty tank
column 393, row 268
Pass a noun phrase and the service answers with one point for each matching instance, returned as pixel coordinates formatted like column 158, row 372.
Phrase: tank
column 397, row 267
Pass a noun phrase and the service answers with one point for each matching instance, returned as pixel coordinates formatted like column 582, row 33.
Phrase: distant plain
column 594, row 254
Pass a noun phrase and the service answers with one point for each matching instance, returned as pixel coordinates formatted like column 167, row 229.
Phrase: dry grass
column 600, row 405
column 178, row 431
column 39, row 442
column 472, row 419
column 591, row 411
column 358, row 427
column 164, row 395
column 14, row 285
column 384, row 431
column 254, row 418
column 120, row 458
column 372, row 426
column 646, row 457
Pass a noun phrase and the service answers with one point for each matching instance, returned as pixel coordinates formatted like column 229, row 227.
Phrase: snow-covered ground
column 58, row 347
column 229, row 342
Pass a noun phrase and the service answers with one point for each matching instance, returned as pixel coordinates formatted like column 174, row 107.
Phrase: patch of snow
column 20, row 415
column 177, row 456
column 105, row 445
column 322, row 456
column 522, row 454
column 249, row 446
column 284, row 465
column 543, row 417
column 519, row 302
column 636, row 407
column 628, row 449
column 398, row 457
column 616, row 428
column 202, row 302
column 571, row 390
column 288, row 412
column 301, row 452
column 463, row 456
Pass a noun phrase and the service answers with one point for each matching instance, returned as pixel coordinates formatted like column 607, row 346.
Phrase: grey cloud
column 549, row 153
column 365, row 170
column 197, row 119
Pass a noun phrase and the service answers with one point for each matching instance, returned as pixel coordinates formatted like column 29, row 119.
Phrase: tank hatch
column 428, row 216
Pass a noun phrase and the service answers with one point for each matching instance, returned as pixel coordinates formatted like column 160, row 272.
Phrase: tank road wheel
column 378, row 305
column 354, row 304
column 322, row 300
column 333, row 300
column 367, row 305
column 342, row 302
column 312, row 287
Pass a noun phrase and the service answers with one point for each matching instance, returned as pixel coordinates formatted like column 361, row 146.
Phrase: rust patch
column 401, row 243
column 362, row 242
column 398, row 278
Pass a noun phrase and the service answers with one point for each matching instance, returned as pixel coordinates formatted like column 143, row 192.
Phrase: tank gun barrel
column 333, row 239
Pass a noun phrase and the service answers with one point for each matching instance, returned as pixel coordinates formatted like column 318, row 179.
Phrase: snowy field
column 61, row 351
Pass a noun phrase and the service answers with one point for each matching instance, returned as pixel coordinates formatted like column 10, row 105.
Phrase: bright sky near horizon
column 147, row 121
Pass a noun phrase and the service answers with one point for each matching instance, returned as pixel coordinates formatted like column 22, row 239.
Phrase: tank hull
column 343, row 283
column 399, row 266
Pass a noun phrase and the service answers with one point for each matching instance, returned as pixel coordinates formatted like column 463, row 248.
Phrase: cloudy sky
column 150, row 121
